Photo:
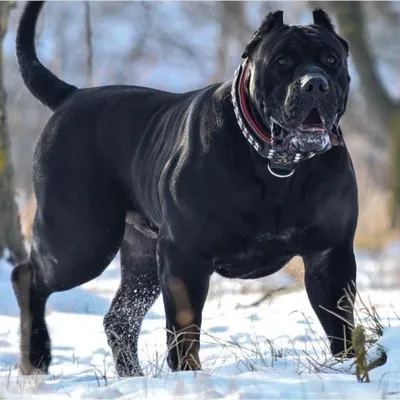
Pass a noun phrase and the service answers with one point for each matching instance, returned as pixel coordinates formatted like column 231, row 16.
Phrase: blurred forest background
column 179, row 46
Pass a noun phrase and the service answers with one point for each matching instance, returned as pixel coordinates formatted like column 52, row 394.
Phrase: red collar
column 265, row 136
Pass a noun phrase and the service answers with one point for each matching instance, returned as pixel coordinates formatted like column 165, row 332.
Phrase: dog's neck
column 259, row 120
column 281, row 164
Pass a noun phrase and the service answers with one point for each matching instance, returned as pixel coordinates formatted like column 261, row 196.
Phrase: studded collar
column 281, row 163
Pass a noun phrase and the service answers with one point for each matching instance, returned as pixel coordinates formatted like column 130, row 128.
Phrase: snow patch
column 260, row 352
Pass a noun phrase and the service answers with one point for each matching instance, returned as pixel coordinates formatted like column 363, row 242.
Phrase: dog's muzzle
column 283, row 154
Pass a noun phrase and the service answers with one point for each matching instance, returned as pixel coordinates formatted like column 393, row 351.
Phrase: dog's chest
column 266, row 249
column 261, row 253
column 268, row 245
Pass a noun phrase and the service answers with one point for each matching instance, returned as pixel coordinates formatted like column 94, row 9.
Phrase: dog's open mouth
column 312, row 135
column 313, row 124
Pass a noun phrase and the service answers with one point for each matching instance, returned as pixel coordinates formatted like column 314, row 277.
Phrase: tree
column 10, row 233
column 352, row 26
column 232, row 23
column 88, row 44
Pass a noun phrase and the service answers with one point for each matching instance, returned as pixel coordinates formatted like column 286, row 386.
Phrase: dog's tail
column 42, row 83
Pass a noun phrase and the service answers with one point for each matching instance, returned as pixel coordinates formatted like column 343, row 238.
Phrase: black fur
column 43, row 84
column 322, row 19
column 171, row 177
column 272, row 22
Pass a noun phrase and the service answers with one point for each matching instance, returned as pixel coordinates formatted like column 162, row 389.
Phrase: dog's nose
column 315, row 84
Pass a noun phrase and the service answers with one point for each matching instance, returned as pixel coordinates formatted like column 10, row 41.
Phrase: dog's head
column 298, row 80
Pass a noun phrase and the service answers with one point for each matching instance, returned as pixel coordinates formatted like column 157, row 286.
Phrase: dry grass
column 26, row 216
column 317, row 359
column 258, row 352
column 367, row 330
column 295, row 269
column 374, row 229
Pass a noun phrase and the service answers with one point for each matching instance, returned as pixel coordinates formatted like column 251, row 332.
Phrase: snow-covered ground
column 275, row 350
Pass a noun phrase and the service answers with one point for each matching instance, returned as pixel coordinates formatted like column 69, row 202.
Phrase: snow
column 385, row 263
column 275, row 350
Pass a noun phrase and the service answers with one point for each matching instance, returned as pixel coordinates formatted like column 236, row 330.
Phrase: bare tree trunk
column 10, row 233
column 231, row 18
column 394, row 165
column 223, row 46
column 352, row 26
column 88, row 43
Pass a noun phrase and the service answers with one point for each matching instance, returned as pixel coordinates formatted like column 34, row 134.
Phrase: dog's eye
column 331, row 59
column 282, row 61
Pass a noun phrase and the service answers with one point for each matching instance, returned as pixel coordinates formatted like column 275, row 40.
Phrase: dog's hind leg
column 138, row 290
column 73, row 242
column 35, row 341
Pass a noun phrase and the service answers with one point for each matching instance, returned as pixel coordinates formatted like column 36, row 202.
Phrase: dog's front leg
column 330, row 279
column 184, row 282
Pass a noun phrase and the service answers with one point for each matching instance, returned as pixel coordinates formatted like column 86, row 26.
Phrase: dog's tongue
column 313, row 122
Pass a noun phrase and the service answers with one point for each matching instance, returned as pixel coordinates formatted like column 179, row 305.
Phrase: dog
column 235, row 179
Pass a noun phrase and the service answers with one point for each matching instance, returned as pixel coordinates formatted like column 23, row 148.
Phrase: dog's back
column 124, row 130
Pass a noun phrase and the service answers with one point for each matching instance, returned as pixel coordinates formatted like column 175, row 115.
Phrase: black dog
column 221, row 179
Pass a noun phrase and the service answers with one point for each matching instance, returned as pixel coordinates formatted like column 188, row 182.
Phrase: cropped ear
column 272, row 22
column 322, row 19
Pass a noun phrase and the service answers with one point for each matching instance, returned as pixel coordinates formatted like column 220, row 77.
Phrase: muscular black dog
column 236, row 178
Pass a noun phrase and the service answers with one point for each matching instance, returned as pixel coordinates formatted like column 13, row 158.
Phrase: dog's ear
column 272, row 22
column 322, row 19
